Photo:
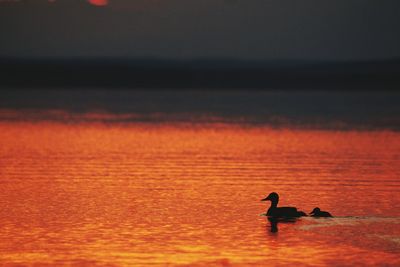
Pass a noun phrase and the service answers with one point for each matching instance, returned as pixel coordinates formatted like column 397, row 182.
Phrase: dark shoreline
column 198, row 74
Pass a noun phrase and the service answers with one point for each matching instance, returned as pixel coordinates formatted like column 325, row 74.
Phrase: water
column 90, row 189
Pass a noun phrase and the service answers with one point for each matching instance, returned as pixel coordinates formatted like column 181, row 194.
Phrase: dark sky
column 187, row 29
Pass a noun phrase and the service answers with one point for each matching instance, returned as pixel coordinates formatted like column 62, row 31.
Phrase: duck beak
column 312, row 212
column 265, row 199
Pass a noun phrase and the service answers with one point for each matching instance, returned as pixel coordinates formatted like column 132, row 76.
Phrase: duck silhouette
column 281, row 212
column 317, row 212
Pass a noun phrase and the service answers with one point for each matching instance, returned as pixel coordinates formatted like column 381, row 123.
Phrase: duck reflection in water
column 280, row 214
column 274, row 221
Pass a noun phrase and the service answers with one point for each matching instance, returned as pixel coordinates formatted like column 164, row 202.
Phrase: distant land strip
column 197, row 74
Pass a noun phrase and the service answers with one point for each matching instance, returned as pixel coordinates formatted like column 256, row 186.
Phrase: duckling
column 274, row 211
column 317, row 212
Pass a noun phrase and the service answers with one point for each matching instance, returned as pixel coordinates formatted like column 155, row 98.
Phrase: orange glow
column 98, row 2
column 184, row 194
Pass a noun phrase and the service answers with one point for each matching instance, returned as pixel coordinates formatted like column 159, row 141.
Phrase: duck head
column 273, row 197
column 315, row 210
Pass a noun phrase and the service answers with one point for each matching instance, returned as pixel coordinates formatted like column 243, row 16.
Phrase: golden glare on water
column 189, row 194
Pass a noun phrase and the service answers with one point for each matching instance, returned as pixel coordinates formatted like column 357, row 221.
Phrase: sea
column 100, row 177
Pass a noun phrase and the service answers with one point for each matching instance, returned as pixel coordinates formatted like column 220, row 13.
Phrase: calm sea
column 99, row 178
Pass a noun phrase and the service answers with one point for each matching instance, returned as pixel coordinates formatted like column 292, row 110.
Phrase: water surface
column 181, row 193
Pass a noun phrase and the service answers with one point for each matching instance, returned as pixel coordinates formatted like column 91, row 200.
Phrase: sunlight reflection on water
column 181, row 194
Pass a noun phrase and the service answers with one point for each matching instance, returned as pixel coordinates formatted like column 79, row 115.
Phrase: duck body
column 317, row 212
column 281, row 212
column 284, row 212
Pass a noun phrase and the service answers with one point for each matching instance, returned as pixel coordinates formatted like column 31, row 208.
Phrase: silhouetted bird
column 317, row 212
column 274, row 211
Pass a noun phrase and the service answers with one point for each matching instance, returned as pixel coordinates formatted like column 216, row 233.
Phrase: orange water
column 189, row 194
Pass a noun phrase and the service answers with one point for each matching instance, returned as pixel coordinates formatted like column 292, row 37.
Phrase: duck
column 281, row 212
column 317, row 212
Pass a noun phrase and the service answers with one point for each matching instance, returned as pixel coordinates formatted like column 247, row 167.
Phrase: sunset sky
column 182, row 29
